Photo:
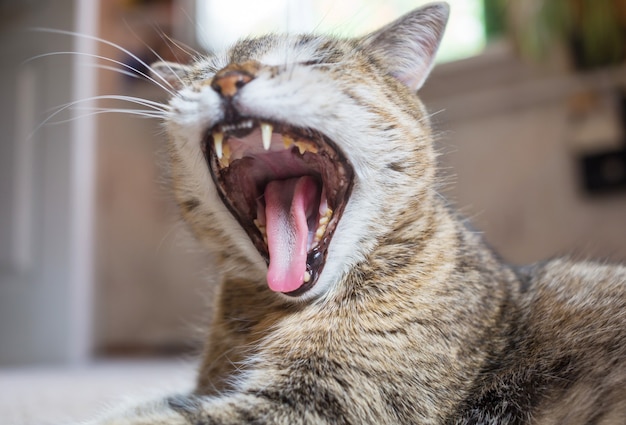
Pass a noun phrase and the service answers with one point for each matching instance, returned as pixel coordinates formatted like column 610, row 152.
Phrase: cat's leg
column 149, row 413
column 305, row 393
column 264, row 407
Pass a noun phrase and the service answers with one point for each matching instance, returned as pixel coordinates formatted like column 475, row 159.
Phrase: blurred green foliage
column 594, row 31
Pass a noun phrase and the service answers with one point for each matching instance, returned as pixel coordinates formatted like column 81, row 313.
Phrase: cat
column 352, row 293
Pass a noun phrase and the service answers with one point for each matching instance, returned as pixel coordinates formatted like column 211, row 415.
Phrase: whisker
column 324, row 17
column 112, row 68
column 101, row 40
column 188, row 50
column 131, row 99
column 134, row 112
column 155, row 53
column 161, row 34
column 434, row 113
column 91, row 55
column 145, row 111
column 156, row 106
column 167, row 234
column 201, row 37
column 144, row 102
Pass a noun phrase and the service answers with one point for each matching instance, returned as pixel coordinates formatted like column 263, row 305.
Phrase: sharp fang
column 307, row 277
column 266, row 135
column 218, row 138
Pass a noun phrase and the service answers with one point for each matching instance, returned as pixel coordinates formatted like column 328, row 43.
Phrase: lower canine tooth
column 266, row 135
column 307, row 276
column 218, row 139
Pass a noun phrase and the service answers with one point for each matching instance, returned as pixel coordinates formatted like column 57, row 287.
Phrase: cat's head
column 300, row 153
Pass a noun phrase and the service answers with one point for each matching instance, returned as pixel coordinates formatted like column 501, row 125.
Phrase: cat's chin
column 287, row 187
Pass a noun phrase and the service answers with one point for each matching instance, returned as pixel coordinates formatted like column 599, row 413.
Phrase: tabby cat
column 351, row 292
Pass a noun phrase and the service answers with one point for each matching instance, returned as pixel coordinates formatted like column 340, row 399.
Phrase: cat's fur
column 413, row 319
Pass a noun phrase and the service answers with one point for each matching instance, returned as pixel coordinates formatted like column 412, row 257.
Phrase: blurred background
column 528, row 98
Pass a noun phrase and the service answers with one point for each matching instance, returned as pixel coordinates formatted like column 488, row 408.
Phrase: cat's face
column 302, row 151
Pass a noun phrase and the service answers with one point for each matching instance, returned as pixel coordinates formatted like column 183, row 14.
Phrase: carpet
column 63, row 395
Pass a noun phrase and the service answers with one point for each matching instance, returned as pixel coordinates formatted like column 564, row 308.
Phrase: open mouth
column 287, row 187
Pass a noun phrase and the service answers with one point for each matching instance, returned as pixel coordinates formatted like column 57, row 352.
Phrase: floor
column 59, row 396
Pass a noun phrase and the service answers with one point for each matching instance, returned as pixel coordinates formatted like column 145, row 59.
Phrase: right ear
column 408, row 45
column 173, row 73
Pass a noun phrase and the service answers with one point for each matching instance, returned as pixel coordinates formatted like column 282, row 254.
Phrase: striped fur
column 414, row 319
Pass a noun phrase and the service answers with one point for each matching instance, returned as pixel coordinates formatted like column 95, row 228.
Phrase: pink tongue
column 286, row 206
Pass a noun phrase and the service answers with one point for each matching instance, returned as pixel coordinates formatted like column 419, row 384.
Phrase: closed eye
column 312, row 62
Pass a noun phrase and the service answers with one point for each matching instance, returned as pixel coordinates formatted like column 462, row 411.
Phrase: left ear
column 408, row 45
column 171, row 72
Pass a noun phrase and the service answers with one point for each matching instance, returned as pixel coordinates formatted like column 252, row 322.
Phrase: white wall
column 509, row 143
column 45, row 242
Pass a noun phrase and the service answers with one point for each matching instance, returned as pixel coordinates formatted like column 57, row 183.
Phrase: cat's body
column 398, row 313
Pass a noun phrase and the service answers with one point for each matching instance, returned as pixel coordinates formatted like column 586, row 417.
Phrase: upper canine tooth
column 218, row 138
column 266, row 135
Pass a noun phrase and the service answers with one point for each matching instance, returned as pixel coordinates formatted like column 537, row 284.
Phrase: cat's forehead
column 276, row 50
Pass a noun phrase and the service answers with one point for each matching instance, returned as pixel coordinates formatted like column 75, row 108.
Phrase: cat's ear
column 408, row 45
column 171, row 72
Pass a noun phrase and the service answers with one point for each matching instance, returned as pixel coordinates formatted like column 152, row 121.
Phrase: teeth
column 307, row 277
column 232, row 127
column 287, row 141
column 305, row 146
column 222, row 148
column 302, row 145
column 262, row 229
column 259, row 226
column 322, row 225
column 218, row 138
column 266, row 134
column 225, row 160
column 319, row 233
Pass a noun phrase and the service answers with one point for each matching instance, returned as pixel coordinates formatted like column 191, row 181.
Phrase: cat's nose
column 228, row 82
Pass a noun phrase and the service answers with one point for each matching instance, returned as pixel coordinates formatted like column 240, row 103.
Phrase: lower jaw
column 300, row 291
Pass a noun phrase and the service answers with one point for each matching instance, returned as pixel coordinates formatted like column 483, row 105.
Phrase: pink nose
column 228, row 83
